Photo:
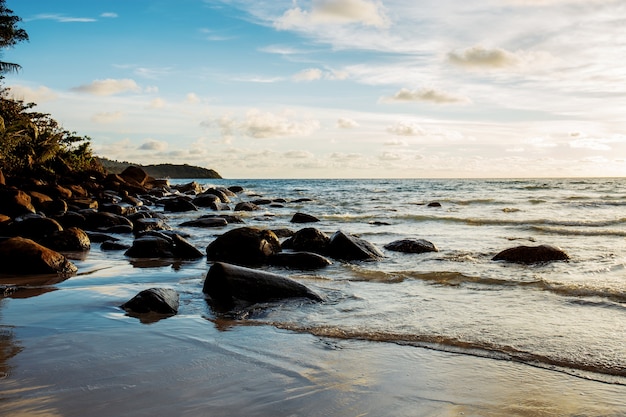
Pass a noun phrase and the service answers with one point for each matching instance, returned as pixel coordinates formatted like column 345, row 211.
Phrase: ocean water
column 560, row 320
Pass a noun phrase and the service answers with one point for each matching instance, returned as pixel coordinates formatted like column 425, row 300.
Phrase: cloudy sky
column 335, row 88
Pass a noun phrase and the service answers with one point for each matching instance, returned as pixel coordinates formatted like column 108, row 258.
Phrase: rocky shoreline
column 39, row 221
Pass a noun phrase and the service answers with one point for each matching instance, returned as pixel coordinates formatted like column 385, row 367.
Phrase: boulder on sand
column 23, row 256
column 244, row 246
column 226, row 283
column 531, row 254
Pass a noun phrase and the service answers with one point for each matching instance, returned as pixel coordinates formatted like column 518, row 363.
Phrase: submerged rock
column 411, row 246
column 153, row 300
column 227, row 283
column 531, row 254
column 299, row 260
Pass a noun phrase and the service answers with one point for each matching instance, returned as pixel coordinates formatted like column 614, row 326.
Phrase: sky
column 335, row 88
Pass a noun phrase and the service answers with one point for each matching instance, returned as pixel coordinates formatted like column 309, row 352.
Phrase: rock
column 226, row 283
column 153, row 300
column 434, row 204
column 235, row 188
column 244, row 246
column 83, row 203
column 223, row 196
column 299, row 260
column 97, row 220
column 178, row 205
column 72, row 219
column 35, row 227
column 184, row 249
column 158, row 245
column 308, row 239
column 23, row 256
column 2, row 179
column 231, row 219
column 304, row 218
column 206, row 222
column 531, row 254
column 206, row 200
column 134, row 174
column 302, row 200
column 100, row 237
column 39, row 200
column 146, row 224
column 246, row 206
column 191, row 187
column 351, row 248
column 411, row 246
column 113, row 245
column 261, row 201
column 70, row 239
column 15, row 202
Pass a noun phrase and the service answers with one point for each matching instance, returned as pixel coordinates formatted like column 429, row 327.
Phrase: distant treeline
column 161, row 170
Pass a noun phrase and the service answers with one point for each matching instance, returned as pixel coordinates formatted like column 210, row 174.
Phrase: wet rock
column 227, row 283
column 244, row 246
column 308, row 239
column 246, row 206
column 14, row 202
column 206, row 222
column 261, row 201
column 231, row 219
column 39, row 200
column 206, row 200
column 434, row 204
column 304, row 218
column 146, row 224
column 134, row 174
column 72, row 219
column 302, row 200
column 159, row 245
column 83, row 203
column 351, row 248
column 221, row 194
column 23, row 256
column 153, row 300
column 70, row 239
column 411, row 246
column 113, row 246
column 191, row 187
column 299, row 260
column 531, row 254
column 235, row 189
column 35, row 227
column 97, row 220
column 98, row 237
column 178, row 205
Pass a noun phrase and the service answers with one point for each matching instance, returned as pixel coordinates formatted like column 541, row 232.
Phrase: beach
column 447, row 333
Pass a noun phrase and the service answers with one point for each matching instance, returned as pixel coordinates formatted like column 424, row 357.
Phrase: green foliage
column 32, row 143
column 10, row 35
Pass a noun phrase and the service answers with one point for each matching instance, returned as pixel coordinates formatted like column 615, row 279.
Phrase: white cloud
column 324, row 12
column 310, row 74
column 192, row 98
column 109, row 15
column 406, row 129
column 61, row 18
column 430, row 95
column 260, row 124
column 108, row 87
column 597, row 144
column 153, row 145
column 30, row 95
column 345, row 123
column 157, row 103
column 482, row 58
column 298, row 155
column 107, row 117
column 396, row 142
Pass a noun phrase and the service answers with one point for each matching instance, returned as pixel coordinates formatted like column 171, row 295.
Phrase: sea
column 443, row 333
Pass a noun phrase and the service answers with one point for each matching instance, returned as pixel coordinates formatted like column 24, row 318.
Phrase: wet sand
column 192, row 366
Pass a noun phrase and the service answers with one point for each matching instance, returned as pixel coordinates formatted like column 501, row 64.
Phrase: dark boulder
column 159, row 245
column 411, row 246
column 531, row 254
column 206, row 200
column 244, row 246
column 227, row 283
column 135, row 175
column 113, row 245
column 15, row 202
column 299, row 260
column 246, row 206
column 72, row 219
column 235, row 188
column 146, row 224
column 178, row 204
column 308, row 239
column 221, row 194
column 206, row 222
column 434, row 204
column 70, row 239
column 153, row 300
column 97, row 220
column 351, row 248
column 35, row 227
column 23, row 256
column 304, row 218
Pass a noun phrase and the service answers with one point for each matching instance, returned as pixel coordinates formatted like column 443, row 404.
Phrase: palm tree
column 10, row 35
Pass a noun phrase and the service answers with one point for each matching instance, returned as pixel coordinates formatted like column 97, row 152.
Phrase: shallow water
column 445, row 333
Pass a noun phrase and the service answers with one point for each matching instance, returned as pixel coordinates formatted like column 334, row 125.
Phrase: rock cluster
column 41, row 223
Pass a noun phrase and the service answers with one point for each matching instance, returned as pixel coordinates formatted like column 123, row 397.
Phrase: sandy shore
column 190, row 366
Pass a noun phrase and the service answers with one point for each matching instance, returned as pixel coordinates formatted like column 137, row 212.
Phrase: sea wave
column 587, row 368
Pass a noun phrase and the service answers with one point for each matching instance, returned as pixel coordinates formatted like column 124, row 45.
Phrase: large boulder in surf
column 23, row 256
column 244, row 246
column 178, row 205
column 304, row 218
column 411, row 246
column 226, row 283
column 351, row 248
column 153, row 300
column 531, row 254
column 299, row 260
column 308, row 239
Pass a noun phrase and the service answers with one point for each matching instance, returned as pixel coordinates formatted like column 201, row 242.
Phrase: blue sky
column 335, row 88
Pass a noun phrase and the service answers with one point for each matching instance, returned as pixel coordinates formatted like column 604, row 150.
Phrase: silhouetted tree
column 10, row 34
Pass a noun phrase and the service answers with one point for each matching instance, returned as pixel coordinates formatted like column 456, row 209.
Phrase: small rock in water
column 154, row 300
column 411, row 246
column 531, row 254
column 304, row 218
